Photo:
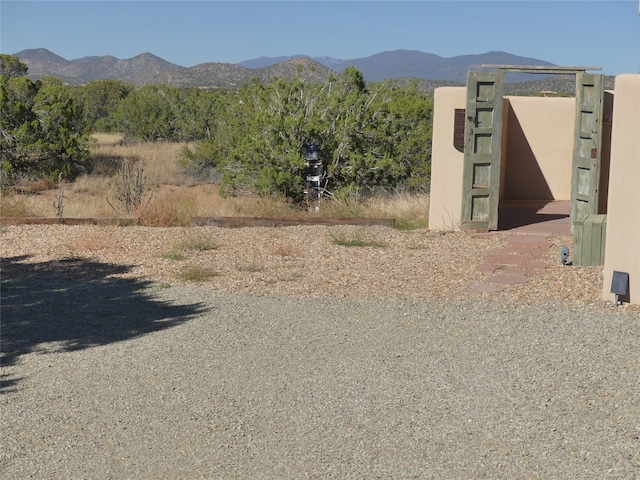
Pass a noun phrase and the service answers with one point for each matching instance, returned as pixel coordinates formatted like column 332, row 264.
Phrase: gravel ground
column 306, row 359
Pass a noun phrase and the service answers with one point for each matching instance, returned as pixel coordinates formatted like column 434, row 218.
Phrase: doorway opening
column 534, row 164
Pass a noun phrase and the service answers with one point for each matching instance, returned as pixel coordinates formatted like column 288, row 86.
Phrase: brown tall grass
column 168, row 209
column 173, row 198
column 18, row 205
column 157, row 159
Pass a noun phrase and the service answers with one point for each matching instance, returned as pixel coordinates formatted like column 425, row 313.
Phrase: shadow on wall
column 607, row 118
column 76, row 304
column 524, row 179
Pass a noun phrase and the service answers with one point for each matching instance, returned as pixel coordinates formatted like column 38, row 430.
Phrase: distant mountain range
column 412, row 64
column 432, row 70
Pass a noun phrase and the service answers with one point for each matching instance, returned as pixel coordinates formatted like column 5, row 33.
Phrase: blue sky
column 573, row 33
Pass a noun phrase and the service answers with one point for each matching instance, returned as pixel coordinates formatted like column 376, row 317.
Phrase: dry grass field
column 169, row 197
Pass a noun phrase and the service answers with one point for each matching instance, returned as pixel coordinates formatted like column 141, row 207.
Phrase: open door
column 483, row 134
column 585, row 177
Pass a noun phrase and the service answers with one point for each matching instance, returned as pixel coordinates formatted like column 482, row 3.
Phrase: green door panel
column 585, row 177
column 482, row 151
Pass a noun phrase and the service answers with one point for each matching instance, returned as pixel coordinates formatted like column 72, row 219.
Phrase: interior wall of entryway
column 537, row 156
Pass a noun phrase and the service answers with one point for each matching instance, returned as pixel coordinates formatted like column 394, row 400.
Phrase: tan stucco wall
column 539, row 148
column 622, row 248
column 445, row 201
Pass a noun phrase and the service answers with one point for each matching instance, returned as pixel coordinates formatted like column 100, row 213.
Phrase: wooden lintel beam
column 541, row 69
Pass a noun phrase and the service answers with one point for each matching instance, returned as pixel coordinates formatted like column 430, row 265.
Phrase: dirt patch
column 368, row 262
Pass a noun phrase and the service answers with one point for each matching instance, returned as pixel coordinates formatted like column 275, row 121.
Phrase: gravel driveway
column 109, row 376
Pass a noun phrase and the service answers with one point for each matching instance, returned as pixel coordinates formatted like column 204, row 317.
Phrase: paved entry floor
column 530, row 226
column 542, row 217
column 522, row 256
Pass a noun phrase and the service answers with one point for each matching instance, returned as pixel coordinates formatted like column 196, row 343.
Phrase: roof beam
column 541, row 69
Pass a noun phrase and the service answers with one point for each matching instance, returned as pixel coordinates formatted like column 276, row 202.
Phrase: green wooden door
column 585, row 177
column 483, row 136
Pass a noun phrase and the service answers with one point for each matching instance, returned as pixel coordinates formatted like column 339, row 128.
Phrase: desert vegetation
column 171, row 197
column 165, row 155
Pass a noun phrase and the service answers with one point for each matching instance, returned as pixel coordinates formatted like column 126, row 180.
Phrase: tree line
column 371, row 136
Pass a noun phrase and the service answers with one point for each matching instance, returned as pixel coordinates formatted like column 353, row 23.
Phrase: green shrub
column 198, row 274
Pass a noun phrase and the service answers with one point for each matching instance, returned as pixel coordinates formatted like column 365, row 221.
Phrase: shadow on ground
column 76, row 303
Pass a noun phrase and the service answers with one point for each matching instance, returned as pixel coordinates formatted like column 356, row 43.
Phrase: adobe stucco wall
column 537, row 153
column 622, row 248
column 445, row 200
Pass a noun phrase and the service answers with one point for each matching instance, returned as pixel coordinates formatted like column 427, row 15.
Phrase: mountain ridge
column 147, row 68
